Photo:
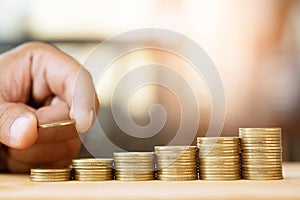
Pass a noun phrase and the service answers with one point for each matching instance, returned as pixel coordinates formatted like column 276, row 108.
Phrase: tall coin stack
column 50, row 175
column 261, row 153
column 92, row 169
column 219, row 158
column 176, row 163
column 134, row 166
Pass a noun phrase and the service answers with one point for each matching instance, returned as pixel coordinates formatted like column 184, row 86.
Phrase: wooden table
column 14, row 186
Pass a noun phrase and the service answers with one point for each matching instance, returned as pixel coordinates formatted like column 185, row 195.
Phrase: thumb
column 18, row 125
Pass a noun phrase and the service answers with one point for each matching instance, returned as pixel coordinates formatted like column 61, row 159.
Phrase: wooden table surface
column 16, row 186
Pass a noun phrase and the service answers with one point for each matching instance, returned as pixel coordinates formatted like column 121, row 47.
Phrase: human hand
column 41, row 84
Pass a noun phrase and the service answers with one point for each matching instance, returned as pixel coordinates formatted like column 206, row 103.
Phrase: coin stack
column 50, row 175
column 92, row 169
column 219, row 158
column 176, row 163
column 261, row 153
column 134, row 166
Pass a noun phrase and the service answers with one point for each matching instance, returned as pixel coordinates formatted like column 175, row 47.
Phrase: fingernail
column 19, row 126
column 84, row 121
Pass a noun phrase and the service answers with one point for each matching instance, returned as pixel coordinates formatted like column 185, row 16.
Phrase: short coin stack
column 261, row 153
column 176, row 163
column 219, row 158
column 50, row 175
column 134, row 166
column 92, row 169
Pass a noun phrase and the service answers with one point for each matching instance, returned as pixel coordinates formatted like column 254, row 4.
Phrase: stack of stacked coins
column 49, row 175
column 176, row 163
column 219, row 158
column 261, row 153
column 134, row 166
column 92, row 169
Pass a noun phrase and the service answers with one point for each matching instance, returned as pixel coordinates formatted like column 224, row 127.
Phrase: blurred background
column 254, row 44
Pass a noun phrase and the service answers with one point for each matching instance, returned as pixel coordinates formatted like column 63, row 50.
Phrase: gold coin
column 164, row 161
column 179, row 171
column 262, row 170
column 220, row 158
column 53, row 170
column 262, row 147
column 135, row 165
column 146, row 171
column 134, row 179
column 218, row 149
column 234, row 144
column 131, row 163
column 261, row 151
column 92, row 161
column 124, row 175
column 275, row 129
column 177, row 177
column 177, row 148
column 262, row 142
column 134, row 168
column 135, row 155
column 57, row 124
column 261, row 154
column 134, row 160
column 219, row 163
column 166, row 165
column 50, row 173
column 177, row 154
column 176, row 173
column 234, row 172
column 219, row 170
column 51, row 177
column 94, row 176
column 48, row 179
column 218, row 143
column 245, row 157
column 236, row 139
column 92, row 179
column 257, row 178
column 179, row 157
column 134, row 175
column 177, row 167
column 221, row 179
column 259, row 168
column 265, row 162
column 260, row 132
column 217, row 167
column 93, row 172
column 221, row 151
column 219, row 176
column 265, row 173
column 220, row 173
column 91, row 167
column 262, row 136
column 259, row 145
